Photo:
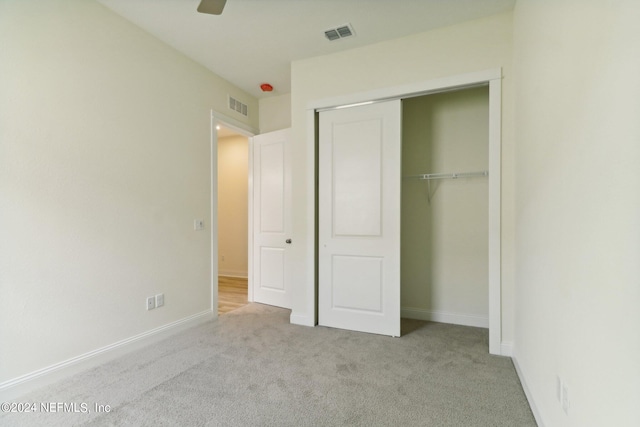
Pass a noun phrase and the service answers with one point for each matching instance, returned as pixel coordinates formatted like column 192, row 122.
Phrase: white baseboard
column 445, row 317
column 301, row 319
column 527, row 392
column 233, row 273
column 23, row 384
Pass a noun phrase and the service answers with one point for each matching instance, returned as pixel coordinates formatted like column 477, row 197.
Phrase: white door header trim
column 443, row 84
column 233, row 124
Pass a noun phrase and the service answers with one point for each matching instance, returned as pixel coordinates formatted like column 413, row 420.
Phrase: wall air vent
column 340, row 32
column 238, row 106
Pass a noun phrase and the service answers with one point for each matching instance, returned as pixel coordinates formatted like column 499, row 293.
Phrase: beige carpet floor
column 251, row 367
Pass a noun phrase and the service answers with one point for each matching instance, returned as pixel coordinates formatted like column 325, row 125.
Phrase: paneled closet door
column 359, row 218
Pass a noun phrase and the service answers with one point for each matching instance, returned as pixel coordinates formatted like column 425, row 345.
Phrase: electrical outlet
column 159, row 300
column 151, row 303
column 222, row 257
column 198, row 224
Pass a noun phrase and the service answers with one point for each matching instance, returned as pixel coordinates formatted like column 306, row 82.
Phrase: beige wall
column 444, row 252
column 104, row 165
column 578, row 208
column 275, row 113
column 473, row 46
column 233, row 174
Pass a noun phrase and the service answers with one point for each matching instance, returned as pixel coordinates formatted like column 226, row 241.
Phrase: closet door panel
column 359, row 218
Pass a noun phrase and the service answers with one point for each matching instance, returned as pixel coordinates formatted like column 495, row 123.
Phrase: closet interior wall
column 444, row 236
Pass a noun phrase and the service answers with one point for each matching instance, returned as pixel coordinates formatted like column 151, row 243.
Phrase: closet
column 444, row 207
column 403, row 212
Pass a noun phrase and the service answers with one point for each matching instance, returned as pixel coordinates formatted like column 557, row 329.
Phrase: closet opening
column 444, row 254
column 473, row 302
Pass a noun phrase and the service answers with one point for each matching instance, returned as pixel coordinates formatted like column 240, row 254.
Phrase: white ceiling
column 255, row 41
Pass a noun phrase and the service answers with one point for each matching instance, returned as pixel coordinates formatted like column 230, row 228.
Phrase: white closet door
column 272, row 218
column 359, row 218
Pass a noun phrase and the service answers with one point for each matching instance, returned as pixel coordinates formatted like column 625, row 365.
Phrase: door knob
column 288, row 241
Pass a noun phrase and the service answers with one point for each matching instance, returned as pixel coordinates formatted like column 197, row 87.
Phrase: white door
column 272, row 218
column 359, row 218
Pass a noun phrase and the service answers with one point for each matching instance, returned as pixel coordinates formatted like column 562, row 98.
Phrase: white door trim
column 249, row 132
column 495, row 217
column 493, row 78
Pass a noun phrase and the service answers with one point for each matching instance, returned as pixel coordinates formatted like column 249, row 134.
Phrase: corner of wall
column 275, row 113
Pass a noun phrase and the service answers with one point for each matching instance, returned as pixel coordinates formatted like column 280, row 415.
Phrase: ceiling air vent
column 339, row 32
column 238, row 106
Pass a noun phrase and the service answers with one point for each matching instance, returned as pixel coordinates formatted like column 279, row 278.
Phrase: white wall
column 104, row 165
column 578, row 208
column 233, row 193
column 469, row 47
column 275, row 113
column 445, row 223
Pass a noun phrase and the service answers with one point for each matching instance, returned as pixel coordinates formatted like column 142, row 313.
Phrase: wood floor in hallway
column 232, row 293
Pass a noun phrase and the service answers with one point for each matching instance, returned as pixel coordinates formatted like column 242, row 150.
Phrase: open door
column 272, row 218
column 359, row 218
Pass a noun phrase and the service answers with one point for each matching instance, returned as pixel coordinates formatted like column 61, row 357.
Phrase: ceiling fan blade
column 213, row 7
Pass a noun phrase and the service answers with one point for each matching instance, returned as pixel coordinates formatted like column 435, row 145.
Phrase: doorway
column 248, row 202
column 492, row 79
column 233, row 213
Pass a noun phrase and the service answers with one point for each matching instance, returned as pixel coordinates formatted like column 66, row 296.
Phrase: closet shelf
column 430, row 176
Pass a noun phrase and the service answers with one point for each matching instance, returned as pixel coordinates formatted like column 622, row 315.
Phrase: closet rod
column 454, row 175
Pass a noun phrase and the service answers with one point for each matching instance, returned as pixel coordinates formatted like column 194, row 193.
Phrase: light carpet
column 251, row 367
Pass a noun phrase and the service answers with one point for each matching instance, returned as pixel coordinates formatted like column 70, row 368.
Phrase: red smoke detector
column 266, row 87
